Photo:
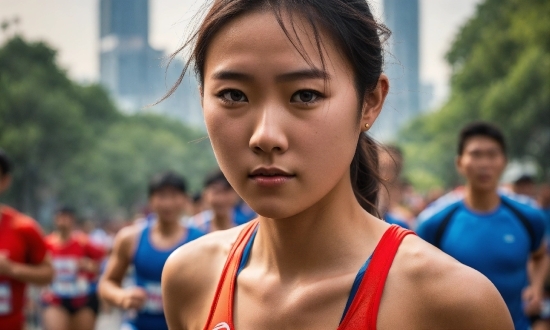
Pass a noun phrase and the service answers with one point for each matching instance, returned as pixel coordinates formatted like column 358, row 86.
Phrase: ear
column 373, row 102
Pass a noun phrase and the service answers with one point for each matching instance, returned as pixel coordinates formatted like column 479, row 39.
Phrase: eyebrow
column 232, row 75
column 303, row 74
column 285, row 77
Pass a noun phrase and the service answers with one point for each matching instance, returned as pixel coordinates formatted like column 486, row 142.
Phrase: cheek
column 500, row 165
column 332, row 140
column 227, row 135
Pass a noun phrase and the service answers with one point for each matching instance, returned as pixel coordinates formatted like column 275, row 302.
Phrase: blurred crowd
column 83, row 250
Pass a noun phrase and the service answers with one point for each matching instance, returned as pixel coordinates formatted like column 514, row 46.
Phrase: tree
column 71, row 145
column 501, row 73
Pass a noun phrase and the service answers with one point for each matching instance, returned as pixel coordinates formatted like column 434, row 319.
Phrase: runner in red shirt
column 23, row 257
column 76, row 260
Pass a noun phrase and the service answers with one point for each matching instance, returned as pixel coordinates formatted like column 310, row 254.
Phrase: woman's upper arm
column 173, row 291
column 189, row 279
column 470, row 301
column 447, row 294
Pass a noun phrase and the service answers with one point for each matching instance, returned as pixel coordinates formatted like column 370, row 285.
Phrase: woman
column 289, row 89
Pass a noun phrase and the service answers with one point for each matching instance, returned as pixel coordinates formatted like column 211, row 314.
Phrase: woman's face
column 283, row 131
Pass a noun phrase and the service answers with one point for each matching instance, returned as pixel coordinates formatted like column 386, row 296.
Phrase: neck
column 223, row 220
column 335, row 235
column 167, row 227
column 64, row 235
column 481, row 200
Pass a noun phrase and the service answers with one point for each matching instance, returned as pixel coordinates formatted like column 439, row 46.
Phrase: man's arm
column 37, row 267
column 538, row 266
column 39, row 274
column 110, row 284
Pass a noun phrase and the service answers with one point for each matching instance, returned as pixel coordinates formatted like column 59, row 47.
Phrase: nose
column 269, row 134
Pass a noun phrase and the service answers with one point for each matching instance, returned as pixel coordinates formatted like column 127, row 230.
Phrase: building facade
column 133, row 72
column 402, row 67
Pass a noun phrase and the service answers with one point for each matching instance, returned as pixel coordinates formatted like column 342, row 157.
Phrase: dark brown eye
column 304, row 97
column 234, row 96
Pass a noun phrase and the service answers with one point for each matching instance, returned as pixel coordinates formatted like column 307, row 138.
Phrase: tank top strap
column 363, row 312
column 221, row 311
column 142, row 241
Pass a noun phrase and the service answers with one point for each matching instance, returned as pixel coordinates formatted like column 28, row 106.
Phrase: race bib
column 153, row 304
column 67, row 282
column 5, row 298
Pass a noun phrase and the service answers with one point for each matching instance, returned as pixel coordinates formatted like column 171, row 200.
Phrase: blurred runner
column 146, row 245
column 70, row 302
column 525, row 185
column 23, row 257
column 488, row 231
column 225, row 208
column 198, row 204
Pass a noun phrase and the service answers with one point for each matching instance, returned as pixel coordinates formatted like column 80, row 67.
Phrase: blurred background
column 76, row 79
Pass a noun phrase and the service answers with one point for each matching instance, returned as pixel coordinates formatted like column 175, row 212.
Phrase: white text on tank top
column 153, row 304
column 5, row 298
column 68, row 281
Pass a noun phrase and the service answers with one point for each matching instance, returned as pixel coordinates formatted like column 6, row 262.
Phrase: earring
column 367, row 126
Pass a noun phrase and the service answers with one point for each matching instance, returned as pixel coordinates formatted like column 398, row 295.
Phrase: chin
column 489, row 187
column 272, row 210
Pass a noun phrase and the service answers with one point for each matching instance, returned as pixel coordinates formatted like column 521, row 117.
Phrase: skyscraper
column 402, row 67
column 132, row 70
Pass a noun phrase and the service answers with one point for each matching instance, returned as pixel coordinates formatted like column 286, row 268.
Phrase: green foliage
column 71, row 145
column 501, row 73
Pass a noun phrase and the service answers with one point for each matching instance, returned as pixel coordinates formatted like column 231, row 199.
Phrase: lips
column 270, row 177
column 269, row 172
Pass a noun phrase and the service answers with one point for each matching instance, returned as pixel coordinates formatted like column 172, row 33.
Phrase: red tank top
column 363, row 311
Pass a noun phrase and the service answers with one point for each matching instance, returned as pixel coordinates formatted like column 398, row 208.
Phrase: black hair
column 167, row 180
column 483, row 129
column 395, row 155
column 66, row 210
column 525, row 179
column 216, row 177
column 352, row 27
column 5, row 163
column 197, row 197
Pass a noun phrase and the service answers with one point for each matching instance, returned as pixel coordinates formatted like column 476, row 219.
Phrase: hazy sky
column 71, row 26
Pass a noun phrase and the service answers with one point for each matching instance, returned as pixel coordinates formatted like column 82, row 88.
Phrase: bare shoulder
column 190, row 277
column 126, row 238
column 201, row 255
column 443, row 293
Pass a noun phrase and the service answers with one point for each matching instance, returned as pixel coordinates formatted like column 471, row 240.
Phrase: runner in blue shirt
column 489, row 232
column 146, row 246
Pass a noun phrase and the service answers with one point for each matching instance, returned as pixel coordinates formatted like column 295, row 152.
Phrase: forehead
column 256, row 42
column 481, row 143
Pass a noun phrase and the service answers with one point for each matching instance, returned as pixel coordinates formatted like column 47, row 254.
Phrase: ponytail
column 365, row 179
